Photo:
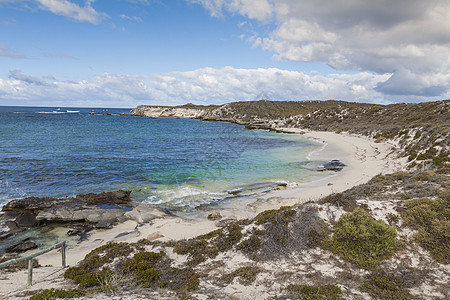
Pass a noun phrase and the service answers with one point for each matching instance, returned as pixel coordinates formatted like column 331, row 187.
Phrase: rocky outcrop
column 170, row 112
column 100, row 210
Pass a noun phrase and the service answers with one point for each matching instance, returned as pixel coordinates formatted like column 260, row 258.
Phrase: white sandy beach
column 363, row 157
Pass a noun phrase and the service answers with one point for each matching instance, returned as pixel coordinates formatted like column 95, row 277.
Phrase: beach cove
column 342, row 233
column 363, row 158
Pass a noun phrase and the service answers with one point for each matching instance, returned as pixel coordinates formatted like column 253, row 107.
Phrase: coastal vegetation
column 361, row 239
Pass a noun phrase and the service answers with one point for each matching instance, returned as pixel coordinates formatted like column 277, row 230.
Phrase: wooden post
column 63, row 254
column 30, row 271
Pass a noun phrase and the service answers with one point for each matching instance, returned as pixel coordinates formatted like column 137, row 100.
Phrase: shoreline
column 364, row 159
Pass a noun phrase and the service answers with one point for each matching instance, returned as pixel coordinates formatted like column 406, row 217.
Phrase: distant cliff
column 421, row 129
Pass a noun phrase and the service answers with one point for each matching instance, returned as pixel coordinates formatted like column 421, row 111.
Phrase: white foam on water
column 51, row 112
column 185, row 196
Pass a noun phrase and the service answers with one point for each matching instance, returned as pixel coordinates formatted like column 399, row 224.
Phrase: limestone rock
column 214, row 216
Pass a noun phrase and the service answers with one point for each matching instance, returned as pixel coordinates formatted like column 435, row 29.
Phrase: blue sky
column 123, row 53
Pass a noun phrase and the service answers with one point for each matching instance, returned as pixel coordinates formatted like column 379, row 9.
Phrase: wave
column 185, row 197
column 72, row 111
column 51, row 112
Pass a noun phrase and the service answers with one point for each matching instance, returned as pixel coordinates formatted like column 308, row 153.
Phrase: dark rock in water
column 117, row 197
column 12, row 228
column 21, row 247
column 317, row 165
column 26, row 220
column 30, row 205
column 5, row 235
column 73, row 232
column 334, row 165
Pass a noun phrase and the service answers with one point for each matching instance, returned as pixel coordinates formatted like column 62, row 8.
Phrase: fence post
column 30, row 271
column 63, row 254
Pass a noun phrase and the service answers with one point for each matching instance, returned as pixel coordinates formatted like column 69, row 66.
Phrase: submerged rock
column 21, row 247
column 334, row 165
column 319, row 165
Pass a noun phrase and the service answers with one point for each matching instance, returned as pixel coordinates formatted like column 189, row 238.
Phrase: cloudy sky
column 122, row 53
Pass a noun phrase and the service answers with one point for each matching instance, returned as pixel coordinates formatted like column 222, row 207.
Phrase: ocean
column 181, row 163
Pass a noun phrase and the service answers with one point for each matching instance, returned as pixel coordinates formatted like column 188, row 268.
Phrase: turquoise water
column 60, row 152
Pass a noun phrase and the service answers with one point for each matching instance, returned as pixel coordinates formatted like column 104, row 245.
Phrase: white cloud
column 72, row 10
column 134, row 18
column 202, row 86
column 407, row 38
column 260, row 10
column 68, row 9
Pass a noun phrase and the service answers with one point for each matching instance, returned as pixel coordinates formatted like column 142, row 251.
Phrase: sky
column 123, row 53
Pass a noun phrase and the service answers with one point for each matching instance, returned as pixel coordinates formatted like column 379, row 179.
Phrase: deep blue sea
column 61, row 151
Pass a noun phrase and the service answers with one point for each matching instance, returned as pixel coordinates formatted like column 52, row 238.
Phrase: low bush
column 58, row 293
column 361, row 239
column 381, row 285
column 322, row 292
column 432, row 220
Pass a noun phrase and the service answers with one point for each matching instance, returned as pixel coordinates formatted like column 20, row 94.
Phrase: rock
column 144, row 213
column 154, row 236
column 225, row 222
column 317, row 165
column 334, row 165
column 101, row 217
column 5, row 235
column 30, row 204
column 101, row 209
column 214, row 216
column 21, row 247
column 26, row 220
column 73, row 232
column 117, row 197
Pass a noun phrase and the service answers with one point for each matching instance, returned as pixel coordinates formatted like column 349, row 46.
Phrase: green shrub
column 270, row 215
column 142, row 267
column 57, row 293
column 322, row 292
column 250, row 245
column 432, row 220
column 381, row 285
column 361, row 239
column 113, row 249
